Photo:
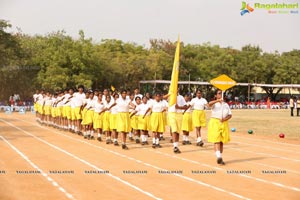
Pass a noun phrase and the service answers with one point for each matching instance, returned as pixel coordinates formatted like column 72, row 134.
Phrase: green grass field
column 266, row 122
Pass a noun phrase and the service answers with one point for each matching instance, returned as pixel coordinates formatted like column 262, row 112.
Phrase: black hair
column 137, row 98
column 81, row 86
column 123, row 91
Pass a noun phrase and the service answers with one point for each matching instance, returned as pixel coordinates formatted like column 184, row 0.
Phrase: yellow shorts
column 217, row 131
column 89, row 117
column 123, row 122
column 199, row 118
column 35, row 106
column 97, row 121
column 157, row 122
column 175, row 120
column 41, row 109
column 68, row 112
column 113, row 121
column 187, row 124
column 53, row 111
column 59, row 111
column 106, row 121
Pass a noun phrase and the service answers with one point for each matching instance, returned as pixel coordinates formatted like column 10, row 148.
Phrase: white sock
column 161, row 135
column 130, row 134
column 175, row 144
column 92, row 133
column 88, row 132
column 199, row 139
column 115, row 140
column 153, row 140
column 84, row 133
column 146, row 138
column 73, row 127
column 218, row 154
column 137, row 137
column 186, row 138
column 157, row 140
column 70, row 126
column 99, row 135
column 143, row 138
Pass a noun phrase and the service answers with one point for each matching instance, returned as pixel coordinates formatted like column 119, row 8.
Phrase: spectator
column 292, row 106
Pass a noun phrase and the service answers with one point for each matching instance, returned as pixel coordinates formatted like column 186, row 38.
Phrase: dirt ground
column 40, row 162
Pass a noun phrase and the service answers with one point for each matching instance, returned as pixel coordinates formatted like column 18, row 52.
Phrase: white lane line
column 220, row 169
column 83, row 161
column 127, row 157
column 54, row 183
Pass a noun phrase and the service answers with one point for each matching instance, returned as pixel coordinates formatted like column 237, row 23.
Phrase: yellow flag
column 174, row 78
column 112, row 88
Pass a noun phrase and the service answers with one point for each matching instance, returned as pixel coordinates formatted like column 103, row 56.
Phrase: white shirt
column 90, row 104
column 180, row 102
column 157, row 106
column 98, row 107
column 220, row 110
column 142, row 109
column 122, row 105
column 48, row 101
column 40, row 99
column 108, row 105
column 77, row 99
column 198, row 104
column 67, row 96
column 35, row 96
column 114, row 110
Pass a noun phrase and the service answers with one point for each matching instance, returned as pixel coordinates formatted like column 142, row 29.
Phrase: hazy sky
column 197, row 21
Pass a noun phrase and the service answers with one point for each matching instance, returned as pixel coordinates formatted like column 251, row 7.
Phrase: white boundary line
column 130, row 158
column 53, row 182
column 267, row 141
column 83, row 161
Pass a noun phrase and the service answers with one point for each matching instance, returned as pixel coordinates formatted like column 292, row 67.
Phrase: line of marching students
column 95, row 114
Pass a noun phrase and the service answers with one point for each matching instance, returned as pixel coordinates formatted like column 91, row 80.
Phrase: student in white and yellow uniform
column 47, row 107
column 175, row 119
column 113, row 118
column 59, row 109
column 134, row 120
column 106, row 118
column 53, row 110
column 123, row 121
column 218, row 128
column 199, row 116
column 143, row 119
column 77, row 102
column 35, row 104
column 89, row 116
column 99, row 110
column 157, row 124
column 187, row 125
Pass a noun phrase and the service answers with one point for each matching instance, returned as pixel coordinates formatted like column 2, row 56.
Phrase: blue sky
column 197, row 21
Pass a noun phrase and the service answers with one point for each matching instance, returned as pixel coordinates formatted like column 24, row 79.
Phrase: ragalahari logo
column 246, row 8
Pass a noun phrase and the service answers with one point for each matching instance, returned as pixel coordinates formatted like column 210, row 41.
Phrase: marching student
column 157, row 125
column 89, row 116
column 106, row 118
column 54, row 110
column 83, row 110
column 175, row 119
column 134, row 120
column 123, row 121
column 99, row 110
column 59, row 105
column 47, row 108
column 35, row 104
column 218, row 128
column 77, row 101
column 187, row 126
column 143, row 119
column 113, row 118
column 199, row 116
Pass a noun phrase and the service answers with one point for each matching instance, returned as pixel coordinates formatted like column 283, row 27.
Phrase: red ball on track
column 281, row 135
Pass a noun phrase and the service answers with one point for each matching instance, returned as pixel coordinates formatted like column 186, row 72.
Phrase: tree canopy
column 56, row 61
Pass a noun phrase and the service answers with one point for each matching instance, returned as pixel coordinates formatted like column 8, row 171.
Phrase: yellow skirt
column 106, row 121
column 157, row 122
column 143, row 123
column 78, row 115
column 187, row 124
column 47, row 110
column 134, row 122
column 113, row 121
column 73, row 115
column 123, row 122
column 97, row 120
column 199, row 118
column 217, row 131
column 175, row 120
